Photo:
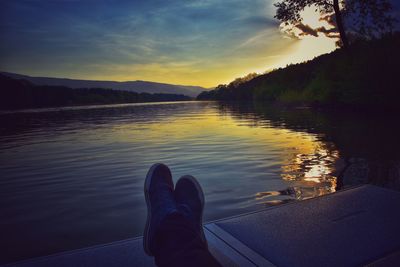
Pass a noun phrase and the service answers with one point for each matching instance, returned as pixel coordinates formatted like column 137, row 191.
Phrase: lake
column 73, row 177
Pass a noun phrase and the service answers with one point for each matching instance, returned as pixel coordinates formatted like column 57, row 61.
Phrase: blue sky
column 182, row 41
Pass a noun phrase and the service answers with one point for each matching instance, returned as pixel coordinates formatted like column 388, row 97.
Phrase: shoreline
column 90, row 106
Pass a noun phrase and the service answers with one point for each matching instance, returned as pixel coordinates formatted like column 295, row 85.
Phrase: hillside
column 22, row 94
column 365, row 76
column 132, row 86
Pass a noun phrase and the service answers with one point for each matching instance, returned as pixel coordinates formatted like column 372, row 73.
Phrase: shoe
column 159, row 195
column 190, row 202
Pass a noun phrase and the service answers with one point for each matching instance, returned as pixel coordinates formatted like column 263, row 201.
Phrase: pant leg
column 179, row 244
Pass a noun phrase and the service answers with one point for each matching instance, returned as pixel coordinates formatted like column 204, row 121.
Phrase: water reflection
column 311, row 175
column 294, row 193
column 355, row 148
column 308, row 165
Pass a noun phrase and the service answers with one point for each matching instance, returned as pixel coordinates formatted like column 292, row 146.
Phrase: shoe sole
column 201, row 197
column 147, row 198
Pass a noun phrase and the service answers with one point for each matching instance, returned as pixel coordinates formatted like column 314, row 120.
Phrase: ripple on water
column 69, row 174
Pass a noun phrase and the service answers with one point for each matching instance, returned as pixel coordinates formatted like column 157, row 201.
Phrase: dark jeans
column 179, row 244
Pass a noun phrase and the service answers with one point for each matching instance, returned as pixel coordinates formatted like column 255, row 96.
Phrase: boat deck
column 353, row 227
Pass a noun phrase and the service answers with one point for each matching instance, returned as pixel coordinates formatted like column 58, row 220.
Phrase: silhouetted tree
column 367, row 15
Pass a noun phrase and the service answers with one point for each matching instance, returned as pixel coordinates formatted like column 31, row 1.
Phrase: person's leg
column 179, row 244
column 190, row 201
column 159, row 196
column 173, row 231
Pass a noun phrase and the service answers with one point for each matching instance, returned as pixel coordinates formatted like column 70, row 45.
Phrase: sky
column 188, row 42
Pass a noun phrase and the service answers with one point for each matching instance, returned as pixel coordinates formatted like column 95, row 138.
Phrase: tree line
column 19, row 94
column 363, row 75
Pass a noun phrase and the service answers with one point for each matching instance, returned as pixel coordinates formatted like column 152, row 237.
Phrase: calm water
column 73, row 177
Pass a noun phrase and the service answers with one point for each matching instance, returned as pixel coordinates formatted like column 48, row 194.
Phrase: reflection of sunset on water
column 315, row 167
column 307, row 163
column 310, row 174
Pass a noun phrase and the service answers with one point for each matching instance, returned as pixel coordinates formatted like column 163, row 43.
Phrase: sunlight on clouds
column 306, row 49
column 312, row 24
column 305, row 46
column 258, row 54
column 301, row 50
column 312, row 18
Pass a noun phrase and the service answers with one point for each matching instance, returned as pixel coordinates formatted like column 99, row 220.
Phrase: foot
column 159, row 195
column 190, row 201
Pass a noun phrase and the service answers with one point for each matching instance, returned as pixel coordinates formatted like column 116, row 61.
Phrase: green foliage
column 364, row 76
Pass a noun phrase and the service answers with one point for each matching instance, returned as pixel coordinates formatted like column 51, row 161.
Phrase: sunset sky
column 186, row 42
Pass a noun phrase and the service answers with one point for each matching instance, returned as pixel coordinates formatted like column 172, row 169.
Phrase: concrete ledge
column 127, row 252
column 354, row 227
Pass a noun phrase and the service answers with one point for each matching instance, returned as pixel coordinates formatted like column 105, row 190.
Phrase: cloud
column 139, row 38
column 329, row 18
column 325, row 25
column 306, row 30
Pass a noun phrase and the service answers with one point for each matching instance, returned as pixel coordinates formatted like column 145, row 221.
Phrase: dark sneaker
column 190, row 201
column 159, row 194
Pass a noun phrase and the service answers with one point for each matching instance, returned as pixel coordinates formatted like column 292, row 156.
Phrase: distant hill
column 22, row 94
column 131, row 86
